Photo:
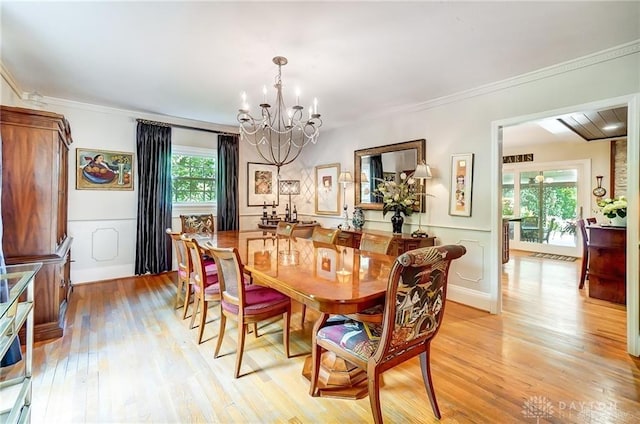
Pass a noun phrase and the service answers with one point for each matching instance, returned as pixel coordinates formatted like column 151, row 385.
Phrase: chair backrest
column 195, row 255
column 324, row 235
column 285, row 229
column 192, row 224
column 376, row 243
column 182, row 255
column 583, row 232
column 418, row 284
column 230, row 275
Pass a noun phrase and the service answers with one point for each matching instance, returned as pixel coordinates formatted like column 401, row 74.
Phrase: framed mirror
column 384, row 162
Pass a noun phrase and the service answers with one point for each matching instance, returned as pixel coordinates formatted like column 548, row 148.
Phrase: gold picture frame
column 327, row 189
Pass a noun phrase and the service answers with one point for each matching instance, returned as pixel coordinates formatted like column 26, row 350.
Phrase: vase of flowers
column 615, row 209
column 397, row 197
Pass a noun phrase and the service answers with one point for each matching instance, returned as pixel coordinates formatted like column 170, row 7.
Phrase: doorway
column 547, row 199
column 632, row 102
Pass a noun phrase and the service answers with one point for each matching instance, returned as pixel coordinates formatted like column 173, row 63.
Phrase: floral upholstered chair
column 197, row 224
column 416, row 296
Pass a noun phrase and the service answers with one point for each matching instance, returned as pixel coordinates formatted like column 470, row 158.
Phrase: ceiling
column 360, row 59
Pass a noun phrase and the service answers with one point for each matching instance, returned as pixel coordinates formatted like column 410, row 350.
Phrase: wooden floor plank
column 554, row 355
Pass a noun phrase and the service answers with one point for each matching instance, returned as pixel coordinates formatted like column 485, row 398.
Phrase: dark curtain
column 153, row 247
column 375, row 171
column 227, row 175
column 13, row 355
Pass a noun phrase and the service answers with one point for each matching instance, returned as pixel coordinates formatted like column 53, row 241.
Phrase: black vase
column 396, row 221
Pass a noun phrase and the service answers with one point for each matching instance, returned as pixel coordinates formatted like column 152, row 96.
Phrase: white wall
column 463, row 125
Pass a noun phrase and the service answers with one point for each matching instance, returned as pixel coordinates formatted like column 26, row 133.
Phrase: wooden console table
column 608, row 263
column 401, row 242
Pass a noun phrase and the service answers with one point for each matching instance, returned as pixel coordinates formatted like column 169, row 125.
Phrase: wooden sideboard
column 35, row 148
column 607, row 263
column 401, row 242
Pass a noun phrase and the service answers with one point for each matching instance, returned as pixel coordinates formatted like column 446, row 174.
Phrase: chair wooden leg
column 304, row 313
column 374, row 394
column 187, row 298
column 285, row 336
column 255, row 329
column 583, row 270
column 203, row 320
column 241, row 334
column 223, row 324
column 179, row 293
column 196, row 306
column 425, row 365
column 316, row 355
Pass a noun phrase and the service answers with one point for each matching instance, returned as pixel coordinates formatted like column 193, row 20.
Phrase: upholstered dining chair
column 246, row 303
column 416, row 295
column 584, row 269
column 377, row 243
column 324, row 235
column 205, row 287
column 197, row 224
column 184, row 268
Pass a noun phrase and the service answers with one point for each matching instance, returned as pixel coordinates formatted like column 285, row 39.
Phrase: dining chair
column 197, row 224
column 376, row 243
column 285, row 229
column 247, row 304
column 205, row 287
column 184, row 268
column 417, row 289
column 584, row 269
column 324, row 235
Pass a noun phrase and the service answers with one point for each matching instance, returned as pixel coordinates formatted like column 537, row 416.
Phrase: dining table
column 330, row 279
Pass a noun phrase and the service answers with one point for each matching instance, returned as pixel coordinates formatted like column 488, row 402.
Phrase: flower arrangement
column 397, row 196
column 612, row 208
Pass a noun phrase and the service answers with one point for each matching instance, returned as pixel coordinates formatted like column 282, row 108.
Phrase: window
column 193, row 175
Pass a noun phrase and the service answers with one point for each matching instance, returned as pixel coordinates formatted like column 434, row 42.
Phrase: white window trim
column 194, row 151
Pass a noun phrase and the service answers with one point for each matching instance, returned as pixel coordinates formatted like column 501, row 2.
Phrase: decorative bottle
column 264, row 210
column 287, row 218
column 294, row 215
column 273, row 210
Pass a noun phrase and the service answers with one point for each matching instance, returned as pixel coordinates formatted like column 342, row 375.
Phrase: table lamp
column 345, row 178
column 290, row 187
column 422, row 172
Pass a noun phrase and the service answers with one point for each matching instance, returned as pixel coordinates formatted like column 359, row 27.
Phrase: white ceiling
column 193, row 59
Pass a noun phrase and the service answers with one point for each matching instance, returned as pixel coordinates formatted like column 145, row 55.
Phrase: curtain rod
column 186, row 127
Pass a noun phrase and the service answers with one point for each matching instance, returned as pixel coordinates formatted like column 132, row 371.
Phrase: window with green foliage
column 193, row 178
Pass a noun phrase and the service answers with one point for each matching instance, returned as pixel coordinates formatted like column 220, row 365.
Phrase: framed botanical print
column 461, row 184
column 103, row 170
column 262, row 184
column 327, row 189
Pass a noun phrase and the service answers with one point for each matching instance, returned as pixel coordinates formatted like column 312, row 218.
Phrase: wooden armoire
column 35, row 151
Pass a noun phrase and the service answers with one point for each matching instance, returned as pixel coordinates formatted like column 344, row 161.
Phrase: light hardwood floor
column 554, row 355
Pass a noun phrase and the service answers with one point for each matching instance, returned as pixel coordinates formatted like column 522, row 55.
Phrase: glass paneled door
column 544, row 201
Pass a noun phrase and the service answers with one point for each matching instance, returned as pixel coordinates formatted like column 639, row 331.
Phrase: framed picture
column 327, row 189
column 262, row 184
column 103, row 170
column 461, row 184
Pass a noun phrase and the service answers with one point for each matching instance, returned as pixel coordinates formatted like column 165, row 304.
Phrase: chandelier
column 279, row 134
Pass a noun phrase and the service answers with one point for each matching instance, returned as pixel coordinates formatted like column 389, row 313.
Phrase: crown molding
column 612, row 53
column 11, row 81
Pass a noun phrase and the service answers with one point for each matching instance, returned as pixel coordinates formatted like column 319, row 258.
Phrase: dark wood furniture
column 416, row 293
column 401, row 242
column 607, row 263
column 35, row 147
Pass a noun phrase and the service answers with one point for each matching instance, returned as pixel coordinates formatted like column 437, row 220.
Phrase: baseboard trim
column 469, row 297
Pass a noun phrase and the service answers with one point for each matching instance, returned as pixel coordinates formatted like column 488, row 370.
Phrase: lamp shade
column 423, row 171
column 363, row 178
column 289, row 186
column 345, row 177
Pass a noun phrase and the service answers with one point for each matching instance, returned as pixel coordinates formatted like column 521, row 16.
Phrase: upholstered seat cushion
column 360, row 339
column 209, row 289
column 259, row 300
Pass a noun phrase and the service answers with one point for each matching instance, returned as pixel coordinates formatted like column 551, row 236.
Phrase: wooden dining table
column 328, row 278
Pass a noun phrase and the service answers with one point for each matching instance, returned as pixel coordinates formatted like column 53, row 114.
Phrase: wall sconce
column 345, row 178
